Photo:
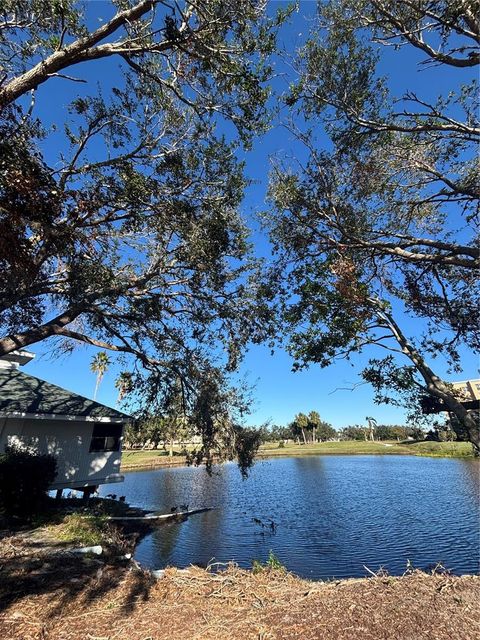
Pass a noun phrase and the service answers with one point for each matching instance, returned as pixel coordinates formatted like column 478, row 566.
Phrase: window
column 106, row 437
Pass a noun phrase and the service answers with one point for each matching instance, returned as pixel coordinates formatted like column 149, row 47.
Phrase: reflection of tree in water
column 195, row 539
column 315, row 489
column 312, row 463
column 164, row 542
column 204, row 534
column 166, row 490
column 470, row 473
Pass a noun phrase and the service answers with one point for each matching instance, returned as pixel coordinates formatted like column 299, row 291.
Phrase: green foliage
column 246, row 445
column 275, row 433
column 392, row 432
column 99, row 365
column 271, row 564
column 24, row 479
column 382, row 432
column 311, row 428
column 355, row 432
column 130, row 238
column 274, row 563
column 381, row 222
column 81, row 529
column 299, row 426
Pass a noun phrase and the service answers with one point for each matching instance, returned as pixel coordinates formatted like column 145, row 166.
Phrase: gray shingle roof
column 22, row 393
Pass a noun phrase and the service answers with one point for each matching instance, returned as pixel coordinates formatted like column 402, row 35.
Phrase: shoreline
column 87, row 598
column 143, row 460
column 46, row 589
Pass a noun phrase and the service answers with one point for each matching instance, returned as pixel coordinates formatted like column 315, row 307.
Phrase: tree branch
column 81, row 50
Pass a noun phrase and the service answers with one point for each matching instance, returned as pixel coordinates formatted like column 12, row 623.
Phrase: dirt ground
column 56, row 596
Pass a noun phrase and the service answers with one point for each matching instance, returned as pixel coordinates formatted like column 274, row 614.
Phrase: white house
column 84, row 436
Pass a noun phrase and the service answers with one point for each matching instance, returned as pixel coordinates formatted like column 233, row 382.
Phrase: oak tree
column 381, row 223
column 119, row 226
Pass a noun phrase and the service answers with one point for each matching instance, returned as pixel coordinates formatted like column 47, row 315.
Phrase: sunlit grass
column 78, row 529
column 152, row 458
column 149, row 457
column 352, row 447
column 443, row 449
column 348, row 447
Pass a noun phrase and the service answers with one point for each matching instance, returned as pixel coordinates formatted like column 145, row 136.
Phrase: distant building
column 84, row 436
column 468, row 389
column 467, row 392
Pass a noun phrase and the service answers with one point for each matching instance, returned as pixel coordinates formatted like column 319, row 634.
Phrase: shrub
column 24, row 479
column 272, row 563
column 85, row 530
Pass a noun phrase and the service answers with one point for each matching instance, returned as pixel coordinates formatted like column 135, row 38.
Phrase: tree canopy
column 119, row 226
column 381, row 223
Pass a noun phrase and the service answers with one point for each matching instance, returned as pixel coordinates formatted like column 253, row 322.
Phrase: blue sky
column 278, row 393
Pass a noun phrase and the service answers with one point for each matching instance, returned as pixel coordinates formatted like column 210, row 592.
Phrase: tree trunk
column 435, row 386
column 97, row 384
column 304, row 438
column 170, row 453
column 314, row 438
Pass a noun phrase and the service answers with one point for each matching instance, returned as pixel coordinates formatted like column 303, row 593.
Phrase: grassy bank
column 143, row 459
column 71, row 523
column 152, row 459
column 358, row 447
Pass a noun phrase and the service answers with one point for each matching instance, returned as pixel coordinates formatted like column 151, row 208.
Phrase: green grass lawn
column 351, row 447
column 348, row 447
column 443, row 449
column 149, row 458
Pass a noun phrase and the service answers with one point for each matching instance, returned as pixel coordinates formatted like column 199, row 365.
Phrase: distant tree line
column 309, row 428
column 382, row 432
column 168, row 432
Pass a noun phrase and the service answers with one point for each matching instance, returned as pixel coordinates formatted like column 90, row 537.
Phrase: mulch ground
column 50, row 594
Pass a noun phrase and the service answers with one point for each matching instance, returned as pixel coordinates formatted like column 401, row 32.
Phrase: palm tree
column 124, row 384
column 99, row 365
column 314, row 421
column 372, row 423
column 301, row 422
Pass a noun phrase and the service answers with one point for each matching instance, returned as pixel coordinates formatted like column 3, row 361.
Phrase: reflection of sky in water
column 334, row 514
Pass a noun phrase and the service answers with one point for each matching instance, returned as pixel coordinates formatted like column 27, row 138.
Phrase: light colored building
column 468, row 389
column 84, row 436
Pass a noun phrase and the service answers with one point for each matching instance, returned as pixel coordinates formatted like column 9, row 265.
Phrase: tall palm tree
column 301, row 421
column 314, row 422
column 99, row 365
column 372, row 423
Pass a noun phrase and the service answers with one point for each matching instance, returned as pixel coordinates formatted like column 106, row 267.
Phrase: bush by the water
column 24, row 479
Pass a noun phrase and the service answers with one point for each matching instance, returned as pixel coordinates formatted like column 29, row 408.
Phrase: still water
column 332, row 515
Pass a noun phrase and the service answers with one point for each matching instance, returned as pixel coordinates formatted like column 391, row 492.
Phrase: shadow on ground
column 32, row 567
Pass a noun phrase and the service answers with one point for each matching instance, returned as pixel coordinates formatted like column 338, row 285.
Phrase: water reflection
column 333, row 514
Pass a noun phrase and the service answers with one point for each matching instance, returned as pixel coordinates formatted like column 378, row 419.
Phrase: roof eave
column 64, row 418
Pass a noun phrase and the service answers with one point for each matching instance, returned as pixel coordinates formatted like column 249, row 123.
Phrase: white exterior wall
column 69, row 442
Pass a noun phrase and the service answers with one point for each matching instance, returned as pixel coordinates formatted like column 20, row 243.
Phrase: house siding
column 69, row 443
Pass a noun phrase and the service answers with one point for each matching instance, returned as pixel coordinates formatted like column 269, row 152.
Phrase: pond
column 332, row 515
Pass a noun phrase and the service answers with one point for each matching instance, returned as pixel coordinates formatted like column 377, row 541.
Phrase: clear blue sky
column 279, row 394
